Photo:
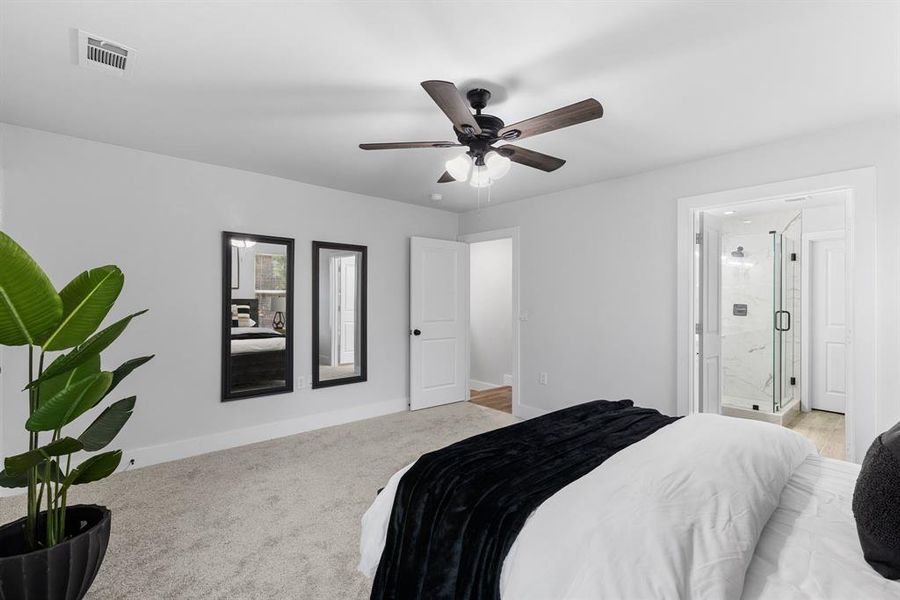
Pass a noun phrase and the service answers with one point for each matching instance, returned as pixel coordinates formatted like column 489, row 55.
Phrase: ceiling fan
column 483, row 163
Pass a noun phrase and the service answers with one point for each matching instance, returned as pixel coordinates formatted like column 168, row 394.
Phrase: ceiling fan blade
column 446, row 178
column 447, row 97
column 586, row 110
column 397, row 145
column 530, row 158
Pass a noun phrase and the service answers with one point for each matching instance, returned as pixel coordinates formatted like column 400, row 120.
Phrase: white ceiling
column 291, row 88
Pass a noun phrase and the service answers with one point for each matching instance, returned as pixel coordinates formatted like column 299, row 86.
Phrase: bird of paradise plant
column 61, row 326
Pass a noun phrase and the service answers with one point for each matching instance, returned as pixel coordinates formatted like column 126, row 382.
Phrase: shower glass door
column 790, row 306
column 786, row 299
column 777, row 302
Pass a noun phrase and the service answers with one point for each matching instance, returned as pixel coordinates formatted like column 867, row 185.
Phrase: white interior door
column 828, row 325
column 347, row 308
column 710, row 317
column 439, row 321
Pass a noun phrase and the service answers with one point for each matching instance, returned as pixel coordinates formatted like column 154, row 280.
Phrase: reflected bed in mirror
column 339, row 314
column 257, row 315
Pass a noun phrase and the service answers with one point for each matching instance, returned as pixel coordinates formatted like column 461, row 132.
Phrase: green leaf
column 29, row 305
column 69, row 403
column 13, row 481
column 56, row 474
column 125, row 369
column 86, row 300
column 19, row 464
column 52, row 386
column 94, row 468
column 86, row 351
column 62, row 446
column 107, row 426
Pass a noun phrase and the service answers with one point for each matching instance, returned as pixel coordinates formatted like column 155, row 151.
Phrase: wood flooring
column 825, row 429
column 497, row 398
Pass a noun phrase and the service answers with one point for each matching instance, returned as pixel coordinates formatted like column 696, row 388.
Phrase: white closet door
column 828, row 325
column 439, row 322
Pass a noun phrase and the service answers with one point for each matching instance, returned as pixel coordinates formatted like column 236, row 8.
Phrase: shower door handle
column 779, row 320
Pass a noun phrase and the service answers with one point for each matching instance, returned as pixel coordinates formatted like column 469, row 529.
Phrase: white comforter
column 676, row 515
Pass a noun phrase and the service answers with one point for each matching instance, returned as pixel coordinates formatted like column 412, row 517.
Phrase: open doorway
column 493, row 320
column 490, row 323
column 771, row 340
column 861, row 399
column 445, row 366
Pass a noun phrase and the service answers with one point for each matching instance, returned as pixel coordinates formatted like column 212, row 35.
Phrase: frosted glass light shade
column 497, row 165
column 459, row 167
column 238, row 243
column 481, row 177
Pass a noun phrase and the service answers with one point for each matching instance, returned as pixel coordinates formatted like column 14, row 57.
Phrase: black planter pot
column 63, row 572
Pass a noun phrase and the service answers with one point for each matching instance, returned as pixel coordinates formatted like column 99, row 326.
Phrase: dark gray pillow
column 876, row 504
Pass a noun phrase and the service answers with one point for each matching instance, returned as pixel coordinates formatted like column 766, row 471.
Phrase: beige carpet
column 279, row 519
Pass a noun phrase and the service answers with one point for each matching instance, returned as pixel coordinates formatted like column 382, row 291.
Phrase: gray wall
column 75, row 204
column 490, row 311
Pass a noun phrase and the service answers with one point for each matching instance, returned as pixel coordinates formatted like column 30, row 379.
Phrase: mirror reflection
column 339, row 314
column 257, row 319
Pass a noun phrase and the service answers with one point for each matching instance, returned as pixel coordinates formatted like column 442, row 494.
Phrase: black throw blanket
column 458, row 510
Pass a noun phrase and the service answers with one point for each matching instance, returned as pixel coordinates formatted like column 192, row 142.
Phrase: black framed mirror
column 257, row 315
column 339, row 314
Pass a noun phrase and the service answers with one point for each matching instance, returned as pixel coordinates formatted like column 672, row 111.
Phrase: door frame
column 518, row 408
column 863, row 416
column 806, row 241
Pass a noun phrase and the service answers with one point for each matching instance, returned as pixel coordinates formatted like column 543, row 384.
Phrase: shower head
column 739, row 253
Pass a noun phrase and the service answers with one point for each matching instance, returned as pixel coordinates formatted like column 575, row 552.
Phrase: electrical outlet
column 542, row 379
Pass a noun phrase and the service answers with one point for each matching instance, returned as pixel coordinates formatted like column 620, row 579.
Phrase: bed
column 704, row 507
column 257, row 353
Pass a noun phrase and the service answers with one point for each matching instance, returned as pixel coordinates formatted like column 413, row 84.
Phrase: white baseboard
column 474, row 384
column 507, row 379
column 152, row 455
column 523, row 411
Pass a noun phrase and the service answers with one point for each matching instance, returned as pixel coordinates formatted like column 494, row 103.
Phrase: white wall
column 612, row 247
column 823, row 218
column 75, row 204
column 490, row 311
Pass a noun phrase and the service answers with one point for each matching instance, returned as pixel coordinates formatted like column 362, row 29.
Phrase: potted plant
column 54, row 552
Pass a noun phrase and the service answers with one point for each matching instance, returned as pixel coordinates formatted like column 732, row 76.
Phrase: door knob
column 416, row 332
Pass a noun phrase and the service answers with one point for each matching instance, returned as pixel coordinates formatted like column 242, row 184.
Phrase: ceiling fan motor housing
column 480, row 143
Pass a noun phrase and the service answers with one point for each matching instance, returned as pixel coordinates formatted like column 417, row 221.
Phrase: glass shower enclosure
column 761, row 305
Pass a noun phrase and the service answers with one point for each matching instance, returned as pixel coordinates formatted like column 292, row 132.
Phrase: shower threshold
column 783, row 417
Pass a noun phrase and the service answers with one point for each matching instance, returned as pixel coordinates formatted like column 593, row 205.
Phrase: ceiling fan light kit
column 483, row 163
column 459, row 167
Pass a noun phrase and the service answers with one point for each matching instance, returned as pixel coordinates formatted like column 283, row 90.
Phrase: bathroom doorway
column 771, row 337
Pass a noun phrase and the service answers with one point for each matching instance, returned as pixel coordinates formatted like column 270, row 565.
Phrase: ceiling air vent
column 106, row 55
